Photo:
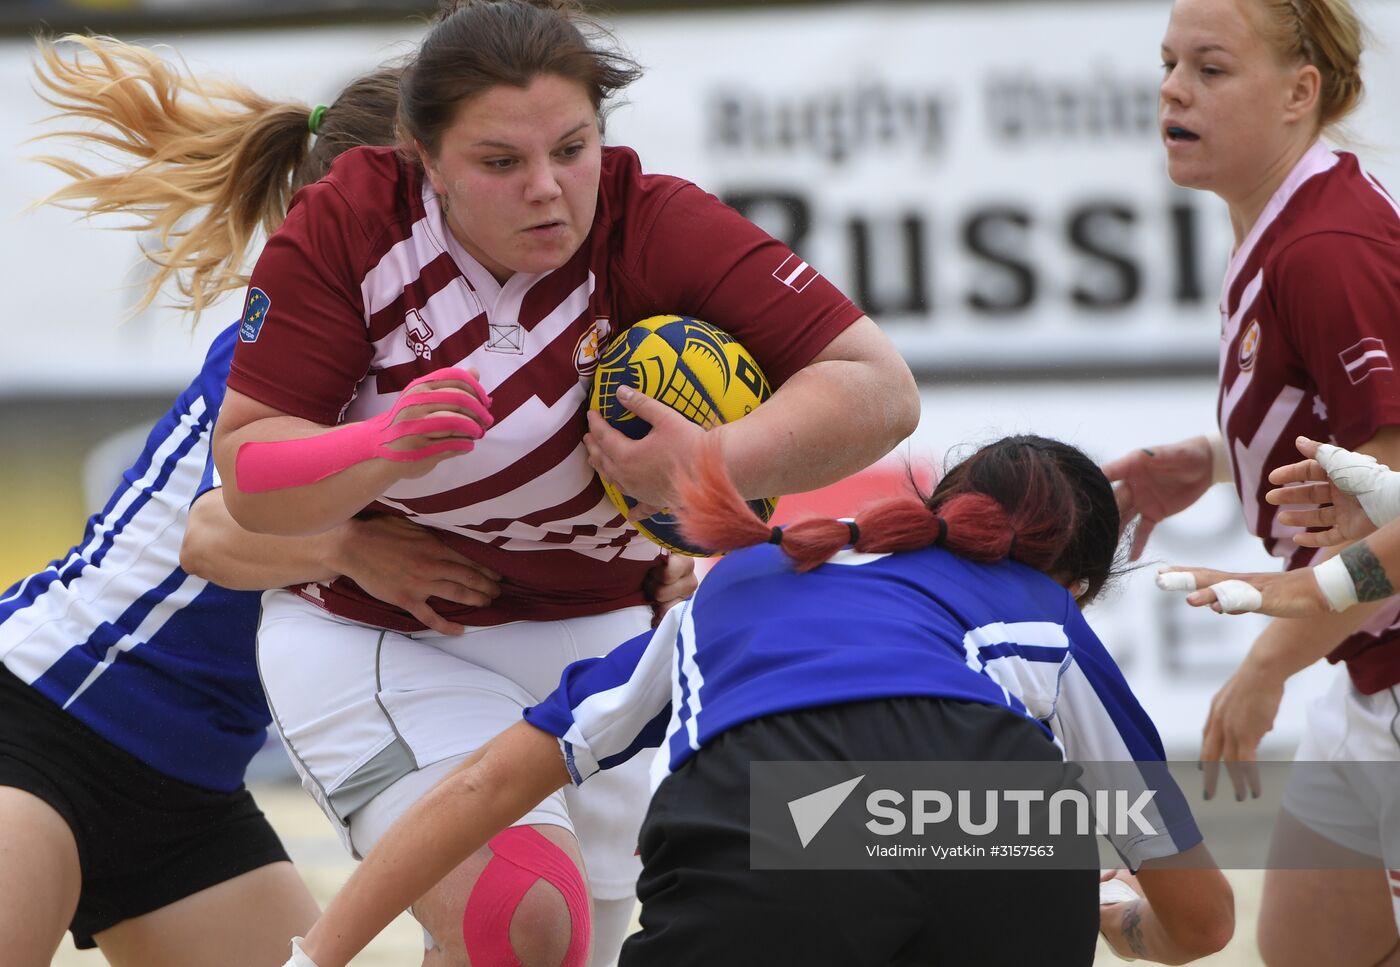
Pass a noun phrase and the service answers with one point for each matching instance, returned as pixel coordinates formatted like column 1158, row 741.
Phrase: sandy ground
column 317, row 853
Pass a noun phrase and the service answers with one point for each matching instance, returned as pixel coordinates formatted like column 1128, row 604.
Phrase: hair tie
column 776, row 537
column 942, row 531
column 855, row 532
column 313, row 123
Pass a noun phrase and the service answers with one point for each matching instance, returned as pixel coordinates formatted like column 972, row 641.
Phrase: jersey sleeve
column 1340, row 296
column 696, row 256
column 302, row 344
column 1104, row 729
column 608, row 709
column 212, row 384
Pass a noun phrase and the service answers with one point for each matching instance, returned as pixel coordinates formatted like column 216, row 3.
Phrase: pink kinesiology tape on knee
column 295, row 463
column 522, row 857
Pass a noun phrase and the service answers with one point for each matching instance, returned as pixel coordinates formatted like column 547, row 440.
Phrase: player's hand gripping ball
column 697, row 370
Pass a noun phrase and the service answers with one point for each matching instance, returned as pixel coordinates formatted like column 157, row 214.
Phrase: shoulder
column 372, row 189
column 1336, row 214
column 630, row 199
column 625, row 185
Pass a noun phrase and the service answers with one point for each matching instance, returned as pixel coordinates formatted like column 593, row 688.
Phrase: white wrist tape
column 1335, row 581
column 1221, row 469
column 299, row 956
column 1373, row 484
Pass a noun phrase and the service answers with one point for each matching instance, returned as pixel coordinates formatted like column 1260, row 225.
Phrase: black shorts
column 703, row 905
column 144, row 839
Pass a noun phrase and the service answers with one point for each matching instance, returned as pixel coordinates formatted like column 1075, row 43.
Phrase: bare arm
column 1155, row 482
column 394, row 560
column 1246, row 705
column 495, row 786
column 319, row 504
column 1188, row 910
column 847, row 408
column 218, row 550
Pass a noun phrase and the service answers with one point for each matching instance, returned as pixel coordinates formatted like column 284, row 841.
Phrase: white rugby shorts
column 372, row 719
column 1356, row 803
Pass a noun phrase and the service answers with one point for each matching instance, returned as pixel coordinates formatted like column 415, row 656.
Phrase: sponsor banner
column 1066, row 815
column 992, row 207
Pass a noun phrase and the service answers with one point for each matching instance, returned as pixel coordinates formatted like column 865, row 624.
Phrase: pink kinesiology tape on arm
column 274, row 465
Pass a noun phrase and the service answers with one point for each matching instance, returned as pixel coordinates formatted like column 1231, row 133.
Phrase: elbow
column 901, row 398
column 1210, row 937
column 198, row 554
column 195, row 559
column 1210, row 930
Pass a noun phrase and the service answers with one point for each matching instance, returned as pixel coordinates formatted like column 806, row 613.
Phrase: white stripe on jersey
column 1316, row 160
column 188, row 590
column 445, row 312
column 32, row 639
column 691, row 671
column 1089, row 736
column 1040, row 634
column 1370, row 180
column 1035, row 683
column 1250, row 460
column 1247, row 300
column 401, row 264
column 531, row 423
column 611, row 716
column 666, row 634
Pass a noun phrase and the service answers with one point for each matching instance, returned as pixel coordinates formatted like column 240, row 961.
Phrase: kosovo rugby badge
column 254, row 315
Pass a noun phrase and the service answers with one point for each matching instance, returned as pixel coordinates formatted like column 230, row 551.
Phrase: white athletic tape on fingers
column 1236, row 596
column 1373, row 484
column 1116, row 891
column 1336, row 583
column 1176, row 580
column 299, row 956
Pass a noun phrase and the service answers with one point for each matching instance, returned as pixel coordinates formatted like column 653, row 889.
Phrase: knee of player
column 528, row 907
column 542, row 929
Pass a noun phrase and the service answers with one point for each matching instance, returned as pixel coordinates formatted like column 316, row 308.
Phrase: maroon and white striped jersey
column 364, row 289
column 1310, row 323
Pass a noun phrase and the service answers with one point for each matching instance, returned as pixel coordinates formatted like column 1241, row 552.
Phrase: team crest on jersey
column 590, row 345
column 254, row 315
column 417, row 332
column 1249, row 346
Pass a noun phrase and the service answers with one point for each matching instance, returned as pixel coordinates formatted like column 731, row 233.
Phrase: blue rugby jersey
column 760, row 639
column 158, row 662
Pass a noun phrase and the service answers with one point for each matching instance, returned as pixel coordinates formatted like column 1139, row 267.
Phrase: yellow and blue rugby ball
column 696, row 369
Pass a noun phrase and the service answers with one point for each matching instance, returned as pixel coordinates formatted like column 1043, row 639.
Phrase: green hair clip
column 313, row 123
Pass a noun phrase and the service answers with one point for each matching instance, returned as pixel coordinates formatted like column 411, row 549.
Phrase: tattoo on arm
column 1132, row 929
column 1366, row 573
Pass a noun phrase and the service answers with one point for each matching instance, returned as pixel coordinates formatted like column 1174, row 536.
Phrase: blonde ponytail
column 208, row 163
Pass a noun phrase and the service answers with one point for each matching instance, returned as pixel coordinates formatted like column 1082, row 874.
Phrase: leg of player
column 529, row 902
column 39, row 878
column 1342, row 917
column 242, row 922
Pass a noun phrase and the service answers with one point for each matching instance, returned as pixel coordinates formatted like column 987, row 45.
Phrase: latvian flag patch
column 1366, row 357
column 795, row 273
